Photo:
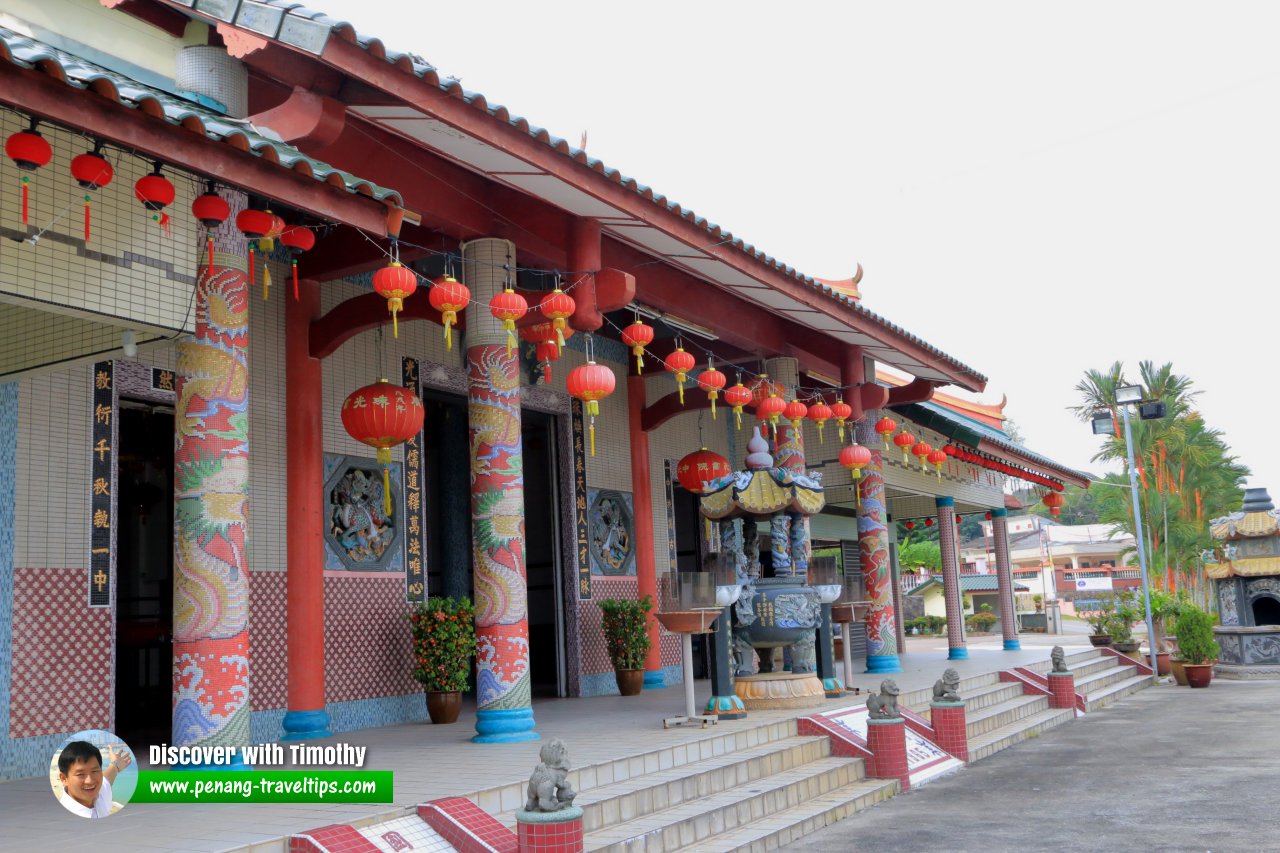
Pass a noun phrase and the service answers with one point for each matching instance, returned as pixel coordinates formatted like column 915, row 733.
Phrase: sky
column 1036, row 189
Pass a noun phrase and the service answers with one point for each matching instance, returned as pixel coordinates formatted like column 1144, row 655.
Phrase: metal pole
column 1142, row 550
column 690, row 698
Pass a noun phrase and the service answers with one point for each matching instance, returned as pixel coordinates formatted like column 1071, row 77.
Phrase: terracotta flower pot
column 1198, row 674
column 1100, row 640
column 1178, row 667
column 444, row 707
column 1162, row 663
column 1128, row 648
column 630, row 681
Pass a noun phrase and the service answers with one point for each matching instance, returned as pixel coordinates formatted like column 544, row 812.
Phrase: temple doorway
column 144, row 574
column 542, row 555
column 1266, row 610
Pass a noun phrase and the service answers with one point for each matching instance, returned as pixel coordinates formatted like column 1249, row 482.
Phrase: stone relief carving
column 357, row 521
column 1227, row 607
column 1229, row 648
column 1262, row 585
column 1262, row 649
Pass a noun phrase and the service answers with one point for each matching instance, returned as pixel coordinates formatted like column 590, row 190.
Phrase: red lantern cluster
column 982, row 461
column 382, row 416
column 543, row 337
column 260, row 228
column 701, row 467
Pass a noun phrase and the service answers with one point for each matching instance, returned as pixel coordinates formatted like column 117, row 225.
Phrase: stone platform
column 780, row 691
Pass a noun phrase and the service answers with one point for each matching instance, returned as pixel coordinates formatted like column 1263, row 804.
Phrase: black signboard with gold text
column 415, row 562
column 580, row 529
column 102, row 470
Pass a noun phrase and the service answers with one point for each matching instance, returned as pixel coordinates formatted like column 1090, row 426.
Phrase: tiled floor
column 430, row 762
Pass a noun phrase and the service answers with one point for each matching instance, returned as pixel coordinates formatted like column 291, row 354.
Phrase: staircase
column 754, row 790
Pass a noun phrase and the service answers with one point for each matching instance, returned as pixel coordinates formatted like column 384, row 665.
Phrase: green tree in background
column 1187, row 474
column 911, row 555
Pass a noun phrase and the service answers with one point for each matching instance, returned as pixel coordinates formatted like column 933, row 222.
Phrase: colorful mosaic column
column 951, row 578
column 1004, row 578
column 873, row 548
column 789, row 454
column 505, row 711
column 211, row 505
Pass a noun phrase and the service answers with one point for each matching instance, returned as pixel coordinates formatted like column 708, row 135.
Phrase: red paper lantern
column 508, row 306
column 557, row 306
column 738, row 396
column 795, row 412
column 1054, row 502
column 638, row 336
column 546, row 352
column 395, row 283
column 905, row 441
column 700, row 467
column 154, row 190
column 921, row 450
column 255, row 225
column 987, row 516
column 543, row 337
column 763, row 388
column 92, row 172
column 382, row 416
column 886, row 426
column 680, row 363
column 855, row 457
column 210, row 210
column 590, row 383
column 820, row 413
column 937, row 458
column 770, row 409
column 928, row 522
column 297, row 240
column 448, row 296
column 910, row 525
column 711, row 381
column 29, row 151
column 959, row 518
column 841, row 411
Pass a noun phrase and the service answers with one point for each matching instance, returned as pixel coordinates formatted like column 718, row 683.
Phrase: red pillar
column 951, row 591
column 304, row 524
column 887, row 740
column 950, row 727
column 642, row 497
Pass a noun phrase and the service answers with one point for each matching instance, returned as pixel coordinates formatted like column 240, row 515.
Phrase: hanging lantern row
column 382, row 416
column 991, row 464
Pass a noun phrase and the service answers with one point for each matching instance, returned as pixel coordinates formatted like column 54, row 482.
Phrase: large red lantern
column 680, row 363
column 508, row 306
column 29, row 151
column 738, row 396
column 937, row 458
column 382, row 416
column 711, row 381
column 638, row 336
column 395, row 283
column 590, row 383
column 557, row 306
column 820, row 413
column 855, row 457
column 921, row 450
column 298, row 239
column 699, row 467
column 92, row 172
column 448, row 296
column 841, row 411
column 210, row 210
column 770, row 409
column 1054, row 502
column 886, row 426
column 905, row 442
column 156, row 192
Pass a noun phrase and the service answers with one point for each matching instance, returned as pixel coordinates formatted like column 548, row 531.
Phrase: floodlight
column 1103, row 423
column 1129, row 394
column 1151, row 411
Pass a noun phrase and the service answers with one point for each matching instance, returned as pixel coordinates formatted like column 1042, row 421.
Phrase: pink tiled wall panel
column 62, row 663
column 367, row 647
column 268, row 627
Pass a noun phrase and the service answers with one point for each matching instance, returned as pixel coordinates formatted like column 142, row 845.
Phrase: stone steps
column 698, row 820
column 1094, row 682
column 1029, row 726
column 1005, row 714
column 1116, row 691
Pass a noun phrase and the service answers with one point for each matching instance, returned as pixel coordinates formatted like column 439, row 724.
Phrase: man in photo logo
column 86, row 785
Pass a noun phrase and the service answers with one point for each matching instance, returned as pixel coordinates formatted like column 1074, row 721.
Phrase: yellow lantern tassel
column 510, row 326
column 857, row 496
column 450, row 317
column 924, row 468
column 394, row 304
column 386, row 490
column 559, row 325
column 820, row 426
column 638, row 352
column 737, row 416
column 593, row 409
column 840, row 428
column 266, row 282
column 713, row 405
column 680, row 383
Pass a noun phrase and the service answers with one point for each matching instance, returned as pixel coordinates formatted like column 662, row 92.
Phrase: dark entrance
column 144, row 572
column 1266, row 611
column 542, row 554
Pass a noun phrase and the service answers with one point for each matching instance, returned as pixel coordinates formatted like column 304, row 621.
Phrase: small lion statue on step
column 947, row 688
column 884, row 705
column 549, row 789
column 1059, row 659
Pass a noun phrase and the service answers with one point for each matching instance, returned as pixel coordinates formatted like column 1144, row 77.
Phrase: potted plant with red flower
column 626, row 633
column 444, row 640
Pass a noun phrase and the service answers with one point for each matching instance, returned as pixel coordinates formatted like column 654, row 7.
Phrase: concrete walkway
column 1168, row 769
column 438, row 761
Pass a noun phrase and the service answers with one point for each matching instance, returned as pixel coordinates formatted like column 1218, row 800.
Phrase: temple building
column 214, row 216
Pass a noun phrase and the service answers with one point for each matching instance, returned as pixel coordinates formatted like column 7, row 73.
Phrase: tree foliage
column 911, row 555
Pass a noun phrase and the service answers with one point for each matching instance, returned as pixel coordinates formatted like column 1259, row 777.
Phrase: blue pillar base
column 1012, row 645
column 833, row 687
column 883, row 663
column 305, row 725
column 726, row 707
column 653, row 679
column 958, row 654
column 504, row 725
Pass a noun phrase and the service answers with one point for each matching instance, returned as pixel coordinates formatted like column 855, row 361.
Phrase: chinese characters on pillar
column 669, row 468
column 581, row 530
column 415, row 575
column 163, row 380
column 101, row 502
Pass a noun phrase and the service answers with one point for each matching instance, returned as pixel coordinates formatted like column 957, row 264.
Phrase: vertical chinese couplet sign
column 580, row 528
column 101, row 503
column 669, row 468
column 415, row 576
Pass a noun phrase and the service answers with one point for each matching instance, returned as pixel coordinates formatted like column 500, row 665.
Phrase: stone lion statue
column 947, row 688
column 1059, row 659
column 884, row 705
column 549, row 789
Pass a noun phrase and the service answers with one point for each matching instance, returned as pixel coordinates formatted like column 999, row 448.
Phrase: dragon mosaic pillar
column 873, row 547
column 789, row 454
column 951, row 578
column 1004, row 578
column 211, row 505
column 505, row 710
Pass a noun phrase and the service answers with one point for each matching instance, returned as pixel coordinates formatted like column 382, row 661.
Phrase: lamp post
column 1125, row 397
